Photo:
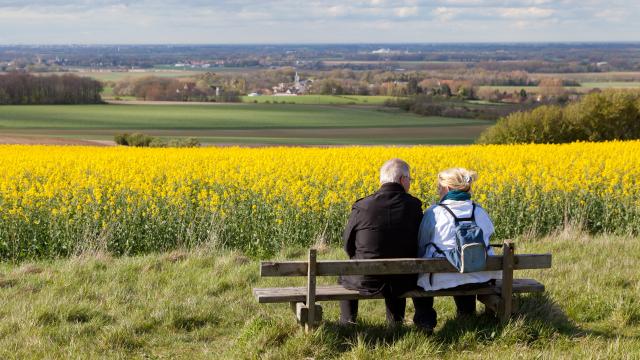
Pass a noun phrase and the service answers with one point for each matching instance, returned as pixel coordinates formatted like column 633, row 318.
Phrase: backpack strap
column 437, row 250
column 457, row 219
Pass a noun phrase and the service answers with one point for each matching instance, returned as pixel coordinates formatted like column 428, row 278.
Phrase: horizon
column 533, row 42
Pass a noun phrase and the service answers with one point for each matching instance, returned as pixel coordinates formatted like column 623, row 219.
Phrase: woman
column 437, row 231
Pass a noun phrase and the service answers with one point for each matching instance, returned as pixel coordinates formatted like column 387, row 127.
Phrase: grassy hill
column 198, row 304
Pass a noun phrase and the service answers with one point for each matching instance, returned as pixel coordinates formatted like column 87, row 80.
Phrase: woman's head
column 456, row 179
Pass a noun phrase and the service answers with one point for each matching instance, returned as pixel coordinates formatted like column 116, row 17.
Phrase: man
column 384, row 225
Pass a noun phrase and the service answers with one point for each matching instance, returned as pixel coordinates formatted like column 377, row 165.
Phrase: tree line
column 457, row 82
column 607, row 115
column 155, row 88
column 26, row 89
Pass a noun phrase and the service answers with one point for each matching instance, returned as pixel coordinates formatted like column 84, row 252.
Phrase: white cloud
column 525, row 13
column 445, row 14
column 312, row 20
column 406, row 11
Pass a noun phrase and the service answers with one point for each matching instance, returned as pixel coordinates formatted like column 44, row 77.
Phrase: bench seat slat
column 338, row 292
column 393, row 266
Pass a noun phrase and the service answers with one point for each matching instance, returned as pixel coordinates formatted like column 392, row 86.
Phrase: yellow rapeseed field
column 55, row 201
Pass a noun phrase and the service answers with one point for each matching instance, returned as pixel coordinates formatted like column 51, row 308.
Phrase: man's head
column 395, row 171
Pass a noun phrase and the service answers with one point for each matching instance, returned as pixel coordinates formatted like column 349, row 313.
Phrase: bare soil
column 42, row 140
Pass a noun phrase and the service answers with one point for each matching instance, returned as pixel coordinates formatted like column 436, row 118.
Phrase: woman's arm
column 425, row 234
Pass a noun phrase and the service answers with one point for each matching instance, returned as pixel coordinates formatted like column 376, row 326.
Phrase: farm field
column 138, row 253
column 625, row 76
column 320, row 99
column 134, row 200
column 108, row 75
column 275, row 123
column 198, row 304
column 586, row 86
column 612, row 85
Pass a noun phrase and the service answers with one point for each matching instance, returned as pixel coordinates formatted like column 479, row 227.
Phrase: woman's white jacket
column 438, row 227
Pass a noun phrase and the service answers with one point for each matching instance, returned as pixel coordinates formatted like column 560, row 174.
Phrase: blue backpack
column 470, row 253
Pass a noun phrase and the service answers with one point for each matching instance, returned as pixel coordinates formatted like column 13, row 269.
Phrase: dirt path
column 41, row 140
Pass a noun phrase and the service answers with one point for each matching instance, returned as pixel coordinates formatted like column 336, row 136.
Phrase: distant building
column 298, row 87
column 381, row 51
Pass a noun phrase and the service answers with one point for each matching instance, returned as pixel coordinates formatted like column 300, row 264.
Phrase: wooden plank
column 310, row 324
column 507, row 280
column 338, row 292
column 393, row 266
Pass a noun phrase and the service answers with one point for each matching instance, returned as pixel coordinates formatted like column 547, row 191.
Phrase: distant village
column 297, row 87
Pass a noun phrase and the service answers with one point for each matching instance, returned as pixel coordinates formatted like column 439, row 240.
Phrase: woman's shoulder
column 480, row 209
column 432, row 209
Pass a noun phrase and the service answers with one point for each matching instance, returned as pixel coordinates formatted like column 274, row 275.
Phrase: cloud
column 525, row 13
column 121, row 21
column 406, row 11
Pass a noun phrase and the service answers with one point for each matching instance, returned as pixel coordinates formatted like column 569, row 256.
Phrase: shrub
column 135, row 139
column 121, row 139
column 608, row 115
column 140, row 140
column 188, row 142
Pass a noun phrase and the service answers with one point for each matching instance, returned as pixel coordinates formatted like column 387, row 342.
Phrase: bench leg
column 507, row 280
column 494, row 304
column 302, row 314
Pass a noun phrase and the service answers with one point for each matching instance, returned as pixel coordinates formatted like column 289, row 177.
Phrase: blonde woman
column 437, row 231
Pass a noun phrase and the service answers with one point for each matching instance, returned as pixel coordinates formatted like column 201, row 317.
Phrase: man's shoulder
column 361, row 202
column 414, row 200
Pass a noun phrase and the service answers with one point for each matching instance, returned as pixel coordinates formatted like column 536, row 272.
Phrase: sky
column 331, row 21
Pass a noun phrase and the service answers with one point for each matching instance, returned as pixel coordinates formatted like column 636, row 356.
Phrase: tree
column 609, row 115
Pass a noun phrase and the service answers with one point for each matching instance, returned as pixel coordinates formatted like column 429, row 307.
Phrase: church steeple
column 296, row 79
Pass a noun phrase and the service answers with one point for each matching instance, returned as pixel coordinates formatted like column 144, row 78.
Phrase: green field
column 197, row 304
column 612, row 85
column 585, row 86
column 593, row 77
column 241, row 123
column 319, row 99
column 108, row 75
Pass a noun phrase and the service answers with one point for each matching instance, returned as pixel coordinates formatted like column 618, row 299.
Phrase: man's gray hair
column 392, row 170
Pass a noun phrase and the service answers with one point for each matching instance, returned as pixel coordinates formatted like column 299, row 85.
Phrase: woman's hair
column 457, row 178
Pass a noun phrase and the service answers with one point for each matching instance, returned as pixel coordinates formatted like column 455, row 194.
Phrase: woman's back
column 438, row 228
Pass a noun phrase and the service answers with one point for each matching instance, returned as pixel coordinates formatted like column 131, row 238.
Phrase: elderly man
column 385, row 225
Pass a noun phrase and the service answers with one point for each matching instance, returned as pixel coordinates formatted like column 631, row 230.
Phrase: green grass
column 252, row 123
column 198, row 304
column 585, row 86
column 320, row 99
column 121, row 75
column 612, row 85
column 265, row 140
column 221, row 116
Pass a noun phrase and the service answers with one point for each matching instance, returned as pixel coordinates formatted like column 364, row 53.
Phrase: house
column 298, row 87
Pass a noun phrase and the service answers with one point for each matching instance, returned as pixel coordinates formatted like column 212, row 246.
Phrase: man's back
column 381, row 226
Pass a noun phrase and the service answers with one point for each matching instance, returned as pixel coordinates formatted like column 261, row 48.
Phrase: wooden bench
column 497, row 298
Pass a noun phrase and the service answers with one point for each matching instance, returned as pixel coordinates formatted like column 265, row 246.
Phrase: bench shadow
column 347, row 336
column 538, row 316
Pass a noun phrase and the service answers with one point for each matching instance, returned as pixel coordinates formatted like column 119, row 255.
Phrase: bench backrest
column 393, row 266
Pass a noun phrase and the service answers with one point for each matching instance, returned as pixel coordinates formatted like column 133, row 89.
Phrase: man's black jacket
column 383, row 225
